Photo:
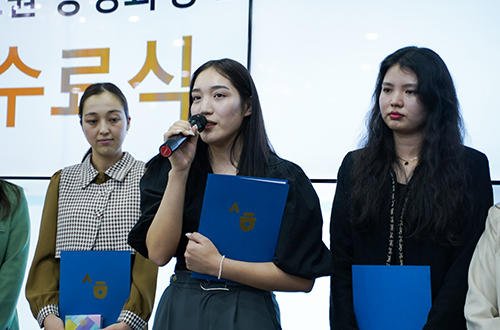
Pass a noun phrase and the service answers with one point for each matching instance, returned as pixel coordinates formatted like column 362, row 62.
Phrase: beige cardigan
column 482, row 302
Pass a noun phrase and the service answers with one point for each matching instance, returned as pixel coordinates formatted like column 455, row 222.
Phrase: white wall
column 315, row 64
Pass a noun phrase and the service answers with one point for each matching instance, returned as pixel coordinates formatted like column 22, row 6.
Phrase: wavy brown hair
column 436, row 189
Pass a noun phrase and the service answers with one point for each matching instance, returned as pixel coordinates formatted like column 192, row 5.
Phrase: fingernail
column 188, row 234
column 190, row 132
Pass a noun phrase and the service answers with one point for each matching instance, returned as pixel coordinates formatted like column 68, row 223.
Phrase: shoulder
column 476, row 159
column 156, row 175
column 493, row 220
column 16, row 198
column 282, row 167
column 475, row 155
column 158, row 165
column 137, row 165
column 301, row 191
column 68, row 173
column 348, row 162
column 70, row 168
column 71, row 172
column 351, row 156
column 478, row 164
column 13, row 192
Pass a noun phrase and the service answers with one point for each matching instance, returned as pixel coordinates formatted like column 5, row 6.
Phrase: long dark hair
column 437, row 186
column 6, row 205
column 256, row 147
column 98, row 89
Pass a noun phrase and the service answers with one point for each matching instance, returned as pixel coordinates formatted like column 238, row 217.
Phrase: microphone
column 169, row 146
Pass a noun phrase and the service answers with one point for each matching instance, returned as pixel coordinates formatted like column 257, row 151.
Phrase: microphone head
column 199, row 120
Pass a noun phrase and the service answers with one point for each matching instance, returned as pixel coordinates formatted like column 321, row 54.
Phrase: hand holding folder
column 242, row 216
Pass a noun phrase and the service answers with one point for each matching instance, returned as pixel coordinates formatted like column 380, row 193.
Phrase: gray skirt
column 193, row 304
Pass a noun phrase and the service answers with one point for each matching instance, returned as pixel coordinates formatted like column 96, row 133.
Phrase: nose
column 397, row 100
column 206, row 106
column 103, row 127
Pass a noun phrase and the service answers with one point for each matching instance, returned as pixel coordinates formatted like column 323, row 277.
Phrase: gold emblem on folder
column 247, row 221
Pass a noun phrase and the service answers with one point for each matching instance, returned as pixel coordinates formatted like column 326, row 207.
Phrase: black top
column 300, row 250
column 449, row 265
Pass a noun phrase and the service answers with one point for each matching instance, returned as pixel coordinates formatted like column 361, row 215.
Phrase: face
column 105, row 125
column 218, row 100
column 400, row 105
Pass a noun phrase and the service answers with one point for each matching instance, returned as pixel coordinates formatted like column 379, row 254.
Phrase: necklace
column 406, row 162
column 392, row 225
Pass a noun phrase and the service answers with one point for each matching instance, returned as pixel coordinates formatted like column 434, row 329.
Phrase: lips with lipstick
column 210, row 124
column 395, row 115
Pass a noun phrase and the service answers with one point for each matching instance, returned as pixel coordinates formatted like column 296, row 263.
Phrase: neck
column 220, row 160
column 101, row 164
column 407, row 147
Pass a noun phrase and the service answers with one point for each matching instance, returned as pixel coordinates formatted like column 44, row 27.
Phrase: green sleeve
column 14, row 246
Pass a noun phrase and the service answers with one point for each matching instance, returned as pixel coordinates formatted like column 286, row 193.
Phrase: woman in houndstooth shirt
column 93, row 206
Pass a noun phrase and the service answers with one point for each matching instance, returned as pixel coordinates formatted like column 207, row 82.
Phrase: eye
column 91, row 121
column 411, row 92
column 114, row 119
column 219, row 95
column 195, row 98
column 386, row 90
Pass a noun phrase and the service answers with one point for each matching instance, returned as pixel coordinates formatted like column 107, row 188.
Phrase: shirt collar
column 116, row 172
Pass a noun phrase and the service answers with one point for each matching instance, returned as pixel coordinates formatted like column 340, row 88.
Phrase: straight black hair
column 256, row 147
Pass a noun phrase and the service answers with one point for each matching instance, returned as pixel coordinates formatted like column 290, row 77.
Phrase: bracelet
column 220, row 267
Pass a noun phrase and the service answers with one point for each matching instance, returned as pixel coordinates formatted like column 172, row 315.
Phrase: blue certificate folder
column 391, row 297
column 242, row 216
column 94, row 282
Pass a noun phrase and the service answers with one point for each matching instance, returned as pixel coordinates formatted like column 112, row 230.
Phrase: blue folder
column 391, row 297
column 242, row 216
column 94, row 282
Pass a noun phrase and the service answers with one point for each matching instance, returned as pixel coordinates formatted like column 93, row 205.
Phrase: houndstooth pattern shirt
column 98, row 217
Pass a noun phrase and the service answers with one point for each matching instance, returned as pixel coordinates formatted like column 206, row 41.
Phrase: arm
column 13, row 264
column 300, row 255
column 202, row 256
column 165, row 230
column 481, row 307
column 341, row 297
column 42, row 287
column 138, row 307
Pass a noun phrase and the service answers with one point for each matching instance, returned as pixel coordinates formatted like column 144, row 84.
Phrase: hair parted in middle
column 436, row 186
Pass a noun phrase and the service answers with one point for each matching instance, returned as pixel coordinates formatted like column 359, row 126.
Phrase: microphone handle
column 169, row 146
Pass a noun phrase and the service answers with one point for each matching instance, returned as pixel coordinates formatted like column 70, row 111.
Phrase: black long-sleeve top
column 449, row 265
column 300, row 250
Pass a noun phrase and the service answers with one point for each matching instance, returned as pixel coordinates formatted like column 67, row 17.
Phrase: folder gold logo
column 100, row 290
column 247, row 221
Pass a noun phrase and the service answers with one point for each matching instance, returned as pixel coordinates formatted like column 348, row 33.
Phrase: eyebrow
column 107, row 113
column 405, row 85
column 212, row 88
